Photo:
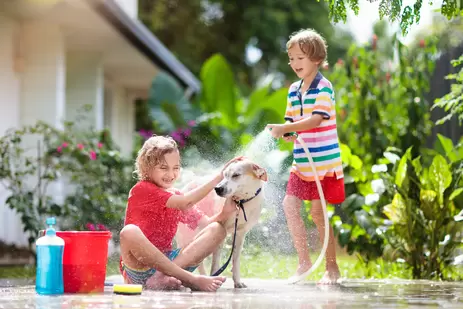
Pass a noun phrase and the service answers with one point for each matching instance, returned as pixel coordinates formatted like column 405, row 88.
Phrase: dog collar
column 241, row 202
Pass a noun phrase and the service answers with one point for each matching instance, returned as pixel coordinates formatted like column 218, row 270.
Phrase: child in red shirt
column 153, row 212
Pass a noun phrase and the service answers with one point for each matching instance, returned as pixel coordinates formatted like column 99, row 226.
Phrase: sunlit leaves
column 393, row 10
column 452, row 102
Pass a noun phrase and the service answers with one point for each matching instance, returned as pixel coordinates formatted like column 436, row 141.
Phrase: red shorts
column 333, row 189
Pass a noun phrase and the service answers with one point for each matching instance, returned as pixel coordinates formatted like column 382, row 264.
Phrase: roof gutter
column 142, row 39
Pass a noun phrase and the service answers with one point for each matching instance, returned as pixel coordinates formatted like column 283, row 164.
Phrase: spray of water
column 271, row 234
column 261, row 149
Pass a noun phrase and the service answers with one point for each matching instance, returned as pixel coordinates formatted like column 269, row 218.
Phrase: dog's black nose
column 219, row 190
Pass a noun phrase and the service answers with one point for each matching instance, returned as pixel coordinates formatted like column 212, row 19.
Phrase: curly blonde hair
column 152, row 154
column 312, row 44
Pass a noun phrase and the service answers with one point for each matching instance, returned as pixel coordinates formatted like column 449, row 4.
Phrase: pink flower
column 145, row 133
column 101, row 227
column 59, row 149
column 191, row 123
column 187, row 132
column 90, row 226
column 422, row 43
column 80, row 146
column 92, row 155
column 64, row 145
column 99, row 145
column 176, row 135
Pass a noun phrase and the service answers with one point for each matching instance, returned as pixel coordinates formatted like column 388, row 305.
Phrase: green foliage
column 404, row 208
column 452, row 102
column 199, row 29
column 220, row 95
column 169, row 107
column 95, row 177
column 223, row 117
column 380, row 104
column 99, row 178
column 338, row 9
column 26, row 174
column 394, row 10
column 219, row 92
column 408, row 213
column 422, row 228
column 359, row 227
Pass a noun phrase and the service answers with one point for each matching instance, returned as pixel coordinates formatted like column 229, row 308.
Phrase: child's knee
column 218, row 229
column 129, row 232
column 317, row 214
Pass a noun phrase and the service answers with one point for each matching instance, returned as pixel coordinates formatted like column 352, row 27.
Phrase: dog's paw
column 240, row 285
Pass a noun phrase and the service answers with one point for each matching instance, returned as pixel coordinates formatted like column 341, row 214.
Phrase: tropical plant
column 387, row 211
column 219, row 121
column 422, row 228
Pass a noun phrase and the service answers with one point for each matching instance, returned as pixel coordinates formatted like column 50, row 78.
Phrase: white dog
column 243, row 181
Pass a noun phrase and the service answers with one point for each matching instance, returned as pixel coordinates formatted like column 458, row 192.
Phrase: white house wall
column 10, row 225
column 43, row 74
column 42, row 87
column 85, row 86
column 122, row 118
column 9, row 78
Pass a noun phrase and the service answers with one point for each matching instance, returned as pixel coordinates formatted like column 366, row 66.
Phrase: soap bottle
column 49, row 273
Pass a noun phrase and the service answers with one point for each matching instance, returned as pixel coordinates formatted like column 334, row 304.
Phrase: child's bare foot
column 331, row 276
column 303, row 267
column 159, row 281
column 206, row 283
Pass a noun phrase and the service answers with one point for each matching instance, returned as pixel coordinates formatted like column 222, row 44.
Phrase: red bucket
column 84, row 261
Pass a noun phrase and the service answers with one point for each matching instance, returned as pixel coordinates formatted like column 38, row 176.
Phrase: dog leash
column 241, row 202
column 241, row 206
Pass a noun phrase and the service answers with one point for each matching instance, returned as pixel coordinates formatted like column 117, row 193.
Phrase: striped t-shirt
column 323, row 142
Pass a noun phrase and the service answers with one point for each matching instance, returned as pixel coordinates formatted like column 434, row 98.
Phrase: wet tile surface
column 259, row 294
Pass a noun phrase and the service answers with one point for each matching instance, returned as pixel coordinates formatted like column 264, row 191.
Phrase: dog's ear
column 259, row 172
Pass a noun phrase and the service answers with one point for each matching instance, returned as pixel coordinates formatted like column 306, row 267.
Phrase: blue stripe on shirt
column 317, row 149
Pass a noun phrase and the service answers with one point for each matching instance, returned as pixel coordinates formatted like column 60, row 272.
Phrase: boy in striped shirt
column 311, row 114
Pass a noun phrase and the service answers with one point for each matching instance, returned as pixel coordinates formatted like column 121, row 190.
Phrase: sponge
column 128, row 289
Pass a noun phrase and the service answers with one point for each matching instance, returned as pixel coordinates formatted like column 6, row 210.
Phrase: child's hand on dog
column 239, row 158
column 235, row 159
column 229, row 208
column 219, row 177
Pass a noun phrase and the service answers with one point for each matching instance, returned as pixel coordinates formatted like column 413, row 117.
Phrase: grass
column 17, row 272
column 266, row 265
